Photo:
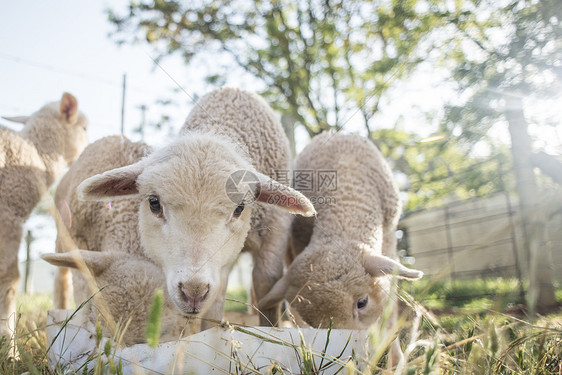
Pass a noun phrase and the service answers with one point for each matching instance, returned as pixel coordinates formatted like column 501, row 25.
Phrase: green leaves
column 440, row 169
column 503, row 50
column 320, row 61
column 155, row 319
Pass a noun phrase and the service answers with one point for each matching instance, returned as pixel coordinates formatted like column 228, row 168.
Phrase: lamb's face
column 348, row 284
column 189, row 225
column 342, row 291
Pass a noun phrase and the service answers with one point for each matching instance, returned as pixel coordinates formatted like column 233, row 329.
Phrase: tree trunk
column 549, row 165
column 288, row 122
column 540, row 295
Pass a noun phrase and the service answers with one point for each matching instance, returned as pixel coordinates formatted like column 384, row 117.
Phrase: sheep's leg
column 263, row 281
column 63, row 281
column 268, row 266
column 10, row 235
column 63, row 288
column 395, row 354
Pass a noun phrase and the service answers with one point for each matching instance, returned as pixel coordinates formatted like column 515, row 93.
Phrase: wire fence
column 482, row 236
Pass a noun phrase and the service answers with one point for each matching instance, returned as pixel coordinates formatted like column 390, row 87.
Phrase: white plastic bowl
column 218, row 350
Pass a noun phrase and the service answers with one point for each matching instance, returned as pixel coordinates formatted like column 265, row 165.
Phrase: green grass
column 237, row 299
column 467, row 328
column 477, row 294
column 31, row 339
column 479, row 329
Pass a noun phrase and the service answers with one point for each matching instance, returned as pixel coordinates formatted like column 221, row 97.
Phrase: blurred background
column 463, row 97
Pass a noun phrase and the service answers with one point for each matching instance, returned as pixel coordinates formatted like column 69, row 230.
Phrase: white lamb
column 95, row 226
column 189, row 223
column 114, row 257
column 30, row 161
column 128, row 284
column 344, row 258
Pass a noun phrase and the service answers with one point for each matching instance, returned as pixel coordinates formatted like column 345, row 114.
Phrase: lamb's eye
column 238, row 210
column 154, row 204
column 362, row 302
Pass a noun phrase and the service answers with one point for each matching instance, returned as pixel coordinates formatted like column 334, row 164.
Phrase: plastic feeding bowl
column 224, row 349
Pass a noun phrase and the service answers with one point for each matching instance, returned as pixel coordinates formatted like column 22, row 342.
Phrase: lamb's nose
column 194, row 294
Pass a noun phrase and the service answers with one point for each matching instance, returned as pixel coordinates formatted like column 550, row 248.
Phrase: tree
column 440, row 170
column 320, row 61
column 504, row 61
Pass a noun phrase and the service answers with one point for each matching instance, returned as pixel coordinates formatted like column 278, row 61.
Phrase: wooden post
column 514, row 246
column 27, row 277
column 449, row 243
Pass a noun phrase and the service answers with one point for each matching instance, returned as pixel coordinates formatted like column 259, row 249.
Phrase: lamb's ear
column 95, row 261
column 69, row 107
column 380, row 265
column 18, row 119
column 272, row 192
column 115, row 183
column 275, row 295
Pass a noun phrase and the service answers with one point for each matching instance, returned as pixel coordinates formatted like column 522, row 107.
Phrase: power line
column 52, row 68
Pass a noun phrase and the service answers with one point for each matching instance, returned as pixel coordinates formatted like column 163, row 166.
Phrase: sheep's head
column 189, row 223
column 127, row 284
column 337, row 286
column 64, row 122
column 74, row 124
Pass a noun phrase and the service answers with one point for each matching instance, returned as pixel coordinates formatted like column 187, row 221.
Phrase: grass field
column 468, row 327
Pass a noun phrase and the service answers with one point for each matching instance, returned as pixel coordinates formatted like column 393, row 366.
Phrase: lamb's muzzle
column 194, row 294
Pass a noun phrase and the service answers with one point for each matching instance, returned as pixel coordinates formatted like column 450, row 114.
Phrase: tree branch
column 549, row 165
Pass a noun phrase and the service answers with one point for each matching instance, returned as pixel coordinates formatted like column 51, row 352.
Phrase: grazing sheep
column 128, row 284
column 343, row 258
column 30, row 161
column 202, row 201
column 95, row 226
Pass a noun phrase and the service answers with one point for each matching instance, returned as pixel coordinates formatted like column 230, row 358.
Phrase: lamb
column 344, row 257
column 30, row 161
column 95, row 226
column 127, row 297
column 207, row 195
column 114, row 257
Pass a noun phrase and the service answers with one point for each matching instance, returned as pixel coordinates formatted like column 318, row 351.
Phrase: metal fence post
column 449, row 243
column 510, row 212
column 27, row 277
